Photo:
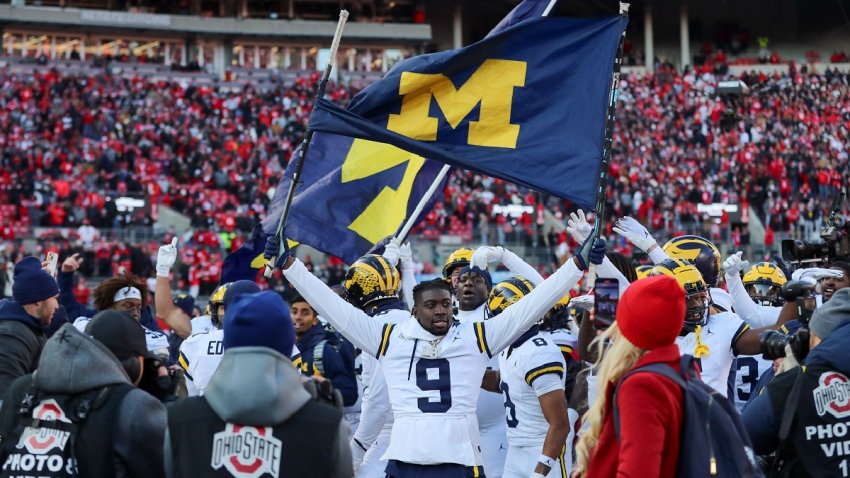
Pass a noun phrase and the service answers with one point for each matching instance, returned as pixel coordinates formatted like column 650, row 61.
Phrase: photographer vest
column 203, row 445
column 818, row 430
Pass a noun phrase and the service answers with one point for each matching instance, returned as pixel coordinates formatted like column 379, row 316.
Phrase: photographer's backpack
column 718, row 445
column 45, row 436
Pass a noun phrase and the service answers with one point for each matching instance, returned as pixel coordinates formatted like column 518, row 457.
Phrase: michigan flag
column 527, row 105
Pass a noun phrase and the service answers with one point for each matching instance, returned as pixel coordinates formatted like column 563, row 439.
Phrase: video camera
column 773, row 342
column 833, row 246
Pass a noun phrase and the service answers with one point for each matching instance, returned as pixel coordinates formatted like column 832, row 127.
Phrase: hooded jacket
column 335, row 368
column 257, row 386
column 21, row 340
column 72, row 363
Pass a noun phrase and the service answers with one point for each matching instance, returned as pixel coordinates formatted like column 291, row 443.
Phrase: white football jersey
column 490, row 408
column 719, row 335
column 535, row 367
column 199, row 357
column 563, row 338
column 157, row 342
column 201, row 324
column 433, row 382
column 748, row 369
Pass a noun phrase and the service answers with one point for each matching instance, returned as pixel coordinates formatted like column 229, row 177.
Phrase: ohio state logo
column 833, row 395
column 39, row 441
column 246, row 452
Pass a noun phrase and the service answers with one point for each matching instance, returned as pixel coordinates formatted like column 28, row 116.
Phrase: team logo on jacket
column 246, row 452
column 39, row 441
column 833, row 395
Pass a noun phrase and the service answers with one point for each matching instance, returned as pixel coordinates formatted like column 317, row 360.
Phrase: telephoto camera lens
column 772, row 344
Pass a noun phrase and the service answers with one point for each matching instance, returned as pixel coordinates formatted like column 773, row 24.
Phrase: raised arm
column 754, row 314
column 638, row 235
column 163, row 300
column 65, row 280
column 503, row 329
column 363, row 331
column 402, row 257
column 486, row 255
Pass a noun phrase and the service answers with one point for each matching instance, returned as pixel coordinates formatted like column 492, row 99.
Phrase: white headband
column 127, row 293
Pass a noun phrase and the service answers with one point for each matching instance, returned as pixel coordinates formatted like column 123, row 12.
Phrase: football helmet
column 456, row 260
column 697, row 295
column 643, row 271
column 763, row 283
column 370, row 278
column 217, row 299
column 701, row 252
column 559, row 316
column 506, row 293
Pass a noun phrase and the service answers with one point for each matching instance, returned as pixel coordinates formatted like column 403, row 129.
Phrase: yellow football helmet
column 696, row 290
column 558, row 317
column 370, row 278
column 217, row 299
column 456, row 260
column 643, row 271
column 700, row 251
column 763, row 282
column 506, row 293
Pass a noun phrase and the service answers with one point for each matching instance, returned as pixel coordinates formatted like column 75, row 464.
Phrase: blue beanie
column 32, row 283
column 259, row 320
column 238, row 288
column 482, row 272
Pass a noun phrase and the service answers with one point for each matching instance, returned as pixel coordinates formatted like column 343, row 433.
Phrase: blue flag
column 527, row 105
column 354, row 193
column 245, row 262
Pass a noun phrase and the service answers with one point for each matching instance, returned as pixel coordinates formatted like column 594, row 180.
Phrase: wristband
column 546, row 461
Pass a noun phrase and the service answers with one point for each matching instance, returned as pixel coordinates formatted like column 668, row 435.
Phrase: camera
column 803, row 294
column 773, row 342
column 833, row 246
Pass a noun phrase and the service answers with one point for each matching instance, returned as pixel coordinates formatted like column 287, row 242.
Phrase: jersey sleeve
column 502, row 330
column 519, row 267
column 545, row 368
column 375, row 408
column 183, row 359
column 363, row 331
column 658, row 255
column 738, row 327
column 408, row 282
column 754, row 314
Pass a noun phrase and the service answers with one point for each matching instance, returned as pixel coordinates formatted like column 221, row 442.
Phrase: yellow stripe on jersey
column 475, row 473
column 739, row 333
column 385, row 339
column 566, row 349
column 183, row 361
column 481, row 339
column 551, row 367
column 562, row 460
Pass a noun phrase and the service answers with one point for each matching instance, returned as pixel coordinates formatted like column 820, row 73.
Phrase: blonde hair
column 616, row 359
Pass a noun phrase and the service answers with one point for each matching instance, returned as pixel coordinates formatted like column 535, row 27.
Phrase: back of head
column 623, row 264
column 699, row 250
column 651, row 312
column 506, row 293
column 123, row 336
column 371, row 278
column 259, row 320
column 32, row 283
column 833, row 314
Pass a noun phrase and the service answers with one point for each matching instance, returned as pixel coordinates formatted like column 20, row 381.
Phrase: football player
column 432, row 363
column 532, row 379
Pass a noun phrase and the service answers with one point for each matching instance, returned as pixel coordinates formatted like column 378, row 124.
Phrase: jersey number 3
column 433, row 375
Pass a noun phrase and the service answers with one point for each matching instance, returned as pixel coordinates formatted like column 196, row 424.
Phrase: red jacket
column 651, row 413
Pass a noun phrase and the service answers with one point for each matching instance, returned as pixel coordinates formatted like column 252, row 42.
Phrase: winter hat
column 120, row 333
column 32, row 283
column 185, row 302
column 259, row 320
column 832, row 314
column 482, row 272
column 651, row 312
column 238, row 288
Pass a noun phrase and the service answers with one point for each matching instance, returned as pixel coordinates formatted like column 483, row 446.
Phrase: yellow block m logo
column 492, row 86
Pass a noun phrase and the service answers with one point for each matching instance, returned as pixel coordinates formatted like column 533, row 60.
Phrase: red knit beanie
column 651, row 312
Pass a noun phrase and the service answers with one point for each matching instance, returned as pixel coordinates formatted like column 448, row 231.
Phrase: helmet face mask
column 216, row 304
column 696, row 311
column 765, row 294
column 763, row 283
column 370, row 278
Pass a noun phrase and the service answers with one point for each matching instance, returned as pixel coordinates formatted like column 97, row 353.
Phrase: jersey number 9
column 441, row 381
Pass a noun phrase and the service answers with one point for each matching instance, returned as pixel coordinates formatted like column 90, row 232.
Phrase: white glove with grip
column 583, row 302
column 392, row 253
column 165, row 258
column 733, row 265
column 813, row 274
column 487, row 255
column 578, row 227
column 634, row 232
column 406, row 256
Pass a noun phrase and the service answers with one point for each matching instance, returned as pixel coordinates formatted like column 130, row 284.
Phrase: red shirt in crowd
column 651, row 413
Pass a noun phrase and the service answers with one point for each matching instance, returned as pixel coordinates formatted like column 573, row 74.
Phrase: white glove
column 537, row 475
column 357, row 454
column 165, row 258
column 733, row 264
column 485, row 255
column 406, row 256
column 814, row 274
column 391, row 253
column 635, row 233
column 578, row 227
column 583, row 302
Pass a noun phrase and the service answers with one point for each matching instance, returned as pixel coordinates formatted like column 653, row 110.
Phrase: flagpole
column 423, row 201
column 308, row 138
column 606, row 149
